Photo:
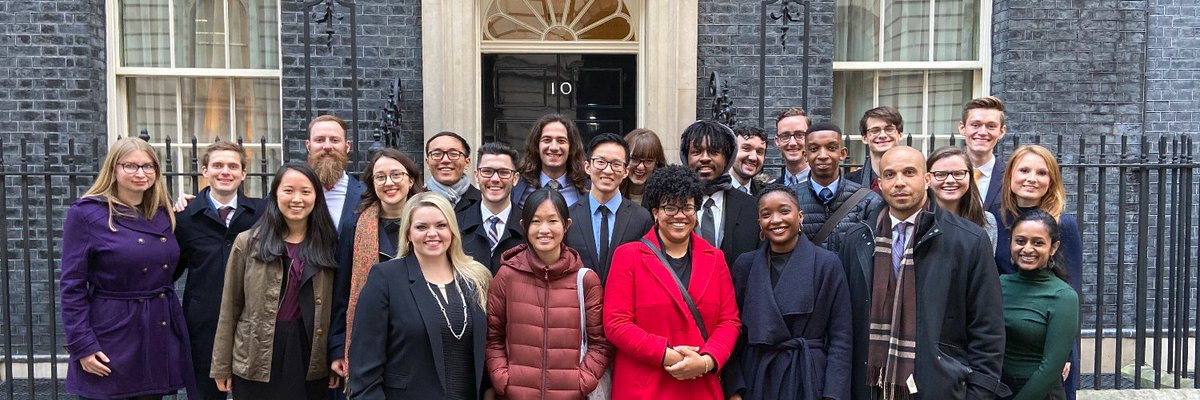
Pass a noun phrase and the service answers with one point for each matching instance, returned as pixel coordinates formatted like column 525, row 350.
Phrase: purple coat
column 118, row 297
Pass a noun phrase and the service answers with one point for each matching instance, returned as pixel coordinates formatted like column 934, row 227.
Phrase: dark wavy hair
column 969, row 206
column 1056, row 260
column 369, row 197
column 672, row 184
column 266, row 236
column 531, row 164
column 535, row 200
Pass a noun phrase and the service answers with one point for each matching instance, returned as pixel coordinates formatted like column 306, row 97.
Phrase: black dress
column 458, row 349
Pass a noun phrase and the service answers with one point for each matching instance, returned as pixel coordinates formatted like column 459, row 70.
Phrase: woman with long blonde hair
column 124, row 324
column 420, row 323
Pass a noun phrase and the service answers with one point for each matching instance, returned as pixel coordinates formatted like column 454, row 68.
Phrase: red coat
column 644, row 313
column 534, row 332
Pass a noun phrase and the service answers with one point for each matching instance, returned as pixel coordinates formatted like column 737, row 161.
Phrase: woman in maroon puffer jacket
column 534, row 332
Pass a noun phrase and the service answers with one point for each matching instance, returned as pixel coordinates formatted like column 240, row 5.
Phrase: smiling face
column 706, row 161
column 607, row 181
column 391, row 191
column 640, row 168
column 1031, row 245
column 903, row 181
column 779, row 218
column 546, row 231
column 444, row 170
column 142, row 179
column 948, row 191
column 327, row 137
column 429, row 232
column 295, row 196
column 825, row 153
column 675, row 228
column 881, row 141
column 982, row 130
column 792, row 149
column 553, row 147
column 748, row 162
column 1030, row 180
column 224, row 171
column 496, row 190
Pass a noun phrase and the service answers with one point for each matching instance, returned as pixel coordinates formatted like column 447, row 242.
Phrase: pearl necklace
column 438, row 299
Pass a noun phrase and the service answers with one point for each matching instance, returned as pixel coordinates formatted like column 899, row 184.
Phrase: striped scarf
column 891, row 356
column 366, row 255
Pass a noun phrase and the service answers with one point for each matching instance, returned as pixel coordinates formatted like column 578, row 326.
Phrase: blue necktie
column 826, row 195
column 492, row 234
column 899, row 240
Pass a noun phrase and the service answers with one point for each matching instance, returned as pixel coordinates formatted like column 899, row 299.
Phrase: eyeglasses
column 131, row 168
column 890, row 129
column 958, row 175
column 487, row 172
column 601, row 164
column 784, row 137
column 453, row 154
column 670, row 210
column 395, row 176
column 648, row 162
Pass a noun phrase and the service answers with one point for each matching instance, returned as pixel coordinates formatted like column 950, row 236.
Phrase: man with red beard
column 982, row 126
column 790, row 126
column 553, row 158
column 728, row 218
column 880, row 128
column 831, row 204
column 748, row 161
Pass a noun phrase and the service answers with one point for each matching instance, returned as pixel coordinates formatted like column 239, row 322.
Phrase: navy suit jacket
column 631, row 224
column 470, row 199
column 474, row 236
column 991, row 198
column 345, row 260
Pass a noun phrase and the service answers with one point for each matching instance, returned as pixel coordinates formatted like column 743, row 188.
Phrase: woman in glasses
column 645, row 154
column 392, row 178
column 124, row 326
column 669, row 307
column 954, row 188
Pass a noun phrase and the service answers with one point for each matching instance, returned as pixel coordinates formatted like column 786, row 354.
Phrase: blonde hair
column 1055, row 199
column 463, row 265
column 153, row 199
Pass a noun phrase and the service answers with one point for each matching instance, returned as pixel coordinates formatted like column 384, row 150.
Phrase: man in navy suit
column 602, row 220
column 493, row 225
column 206, row 230
column 982, row 126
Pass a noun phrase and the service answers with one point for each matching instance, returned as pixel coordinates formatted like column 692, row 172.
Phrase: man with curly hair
column 727, row 216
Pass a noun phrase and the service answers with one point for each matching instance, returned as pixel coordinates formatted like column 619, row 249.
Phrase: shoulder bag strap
column 582, row 313
column 837, row 216
column 687, row 297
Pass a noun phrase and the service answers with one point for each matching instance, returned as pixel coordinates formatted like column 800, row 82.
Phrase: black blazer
column 469, row 199
column 632, row 223
column 474, row 235
column 991, row 198
column 739, row 224
column 397, row 348
column 204, row 244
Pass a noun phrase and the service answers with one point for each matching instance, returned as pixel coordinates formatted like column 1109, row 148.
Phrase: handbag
column 603, row 390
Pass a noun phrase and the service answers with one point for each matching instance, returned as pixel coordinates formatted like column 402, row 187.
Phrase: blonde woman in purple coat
column 123, row 322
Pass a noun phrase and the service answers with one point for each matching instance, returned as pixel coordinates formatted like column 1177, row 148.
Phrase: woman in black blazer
column 420, row 325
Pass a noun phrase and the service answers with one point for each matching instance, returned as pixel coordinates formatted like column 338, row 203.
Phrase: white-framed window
column 203, row 69
column 924, row 57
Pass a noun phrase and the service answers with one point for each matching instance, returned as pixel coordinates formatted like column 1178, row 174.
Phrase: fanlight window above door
column 559, row 20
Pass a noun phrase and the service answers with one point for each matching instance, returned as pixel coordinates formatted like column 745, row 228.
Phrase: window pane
column 200, row 33
column 258, row 180
column 257, row 110
column 956, row 30
column 145, row 34
column 254, row 34
column 857, row 24
column 151, row 107
column 948, row 91
column 903, row 91
column 906, row 31
column 853, row 94
column 205, row 108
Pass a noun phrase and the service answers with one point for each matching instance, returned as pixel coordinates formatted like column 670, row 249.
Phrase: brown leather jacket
column 534, row 333
column 249, row 304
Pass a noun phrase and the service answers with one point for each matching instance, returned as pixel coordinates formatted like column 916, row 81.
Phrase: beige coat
column 246, row 328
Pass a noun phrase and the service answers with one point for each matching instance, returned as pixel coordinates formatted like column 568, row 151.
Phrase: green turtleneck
column 1041, row 322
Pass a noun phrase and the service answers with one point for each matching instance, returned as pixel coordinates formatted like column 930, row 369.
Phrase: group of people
column 576, row 271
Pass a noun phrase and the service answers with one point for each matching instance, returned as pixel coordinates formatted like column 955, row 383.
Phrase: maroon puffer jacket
column 533, row 328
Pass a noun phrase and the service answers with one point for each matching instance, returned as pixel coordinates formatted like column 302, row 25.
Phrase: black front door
column 598, row 91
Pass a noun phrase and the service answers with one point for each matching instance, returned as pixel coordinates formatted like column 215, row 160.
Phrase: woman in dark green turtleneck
column 1041, row 311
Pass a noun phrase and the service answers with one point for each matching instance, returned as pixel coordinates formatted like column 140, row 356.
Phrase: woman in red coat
column 535, row 335
column 663, row 352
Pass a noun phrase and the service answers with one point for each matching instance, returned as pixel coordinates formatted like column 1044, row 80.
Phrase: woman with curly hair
column 669, row 307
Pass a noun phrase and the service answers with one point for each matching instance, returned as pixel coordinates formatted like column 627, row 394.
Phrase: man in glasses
column 790, row 126
column 447, row 155
column 494, row 225
column 880, row 128
column 603, row 219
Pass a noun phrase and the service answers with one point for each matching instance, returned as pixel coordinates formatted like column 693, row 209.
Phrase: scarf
column 892, row 347
column 723, row 182
column 452, row 193
column 366, row 255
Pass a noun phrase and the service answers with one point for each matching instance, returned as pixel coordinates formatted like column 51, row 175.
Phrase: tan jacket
column 246, row 328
